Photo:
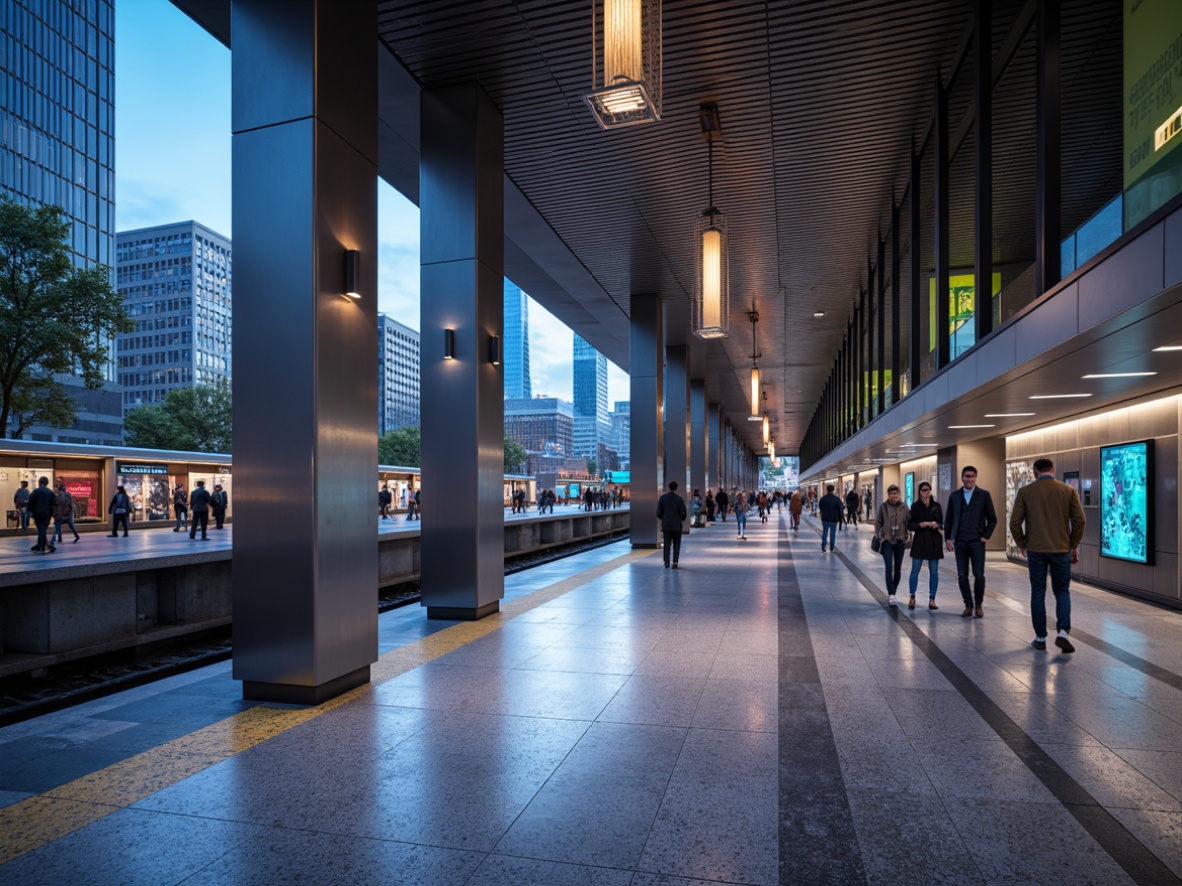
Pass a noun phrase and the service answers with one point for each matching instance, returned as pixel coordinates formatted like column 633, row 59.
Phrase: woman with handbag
column 890, row 531
column 927, row 519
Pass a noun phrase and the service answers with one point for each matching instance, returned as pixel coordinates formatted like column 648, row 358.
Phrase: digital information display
column 1126, row 502
column 909, row 488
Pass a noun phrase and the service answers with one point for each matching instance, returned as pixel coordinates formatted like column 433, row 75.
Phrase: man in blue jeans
column 1047, row 523
column 832, row 513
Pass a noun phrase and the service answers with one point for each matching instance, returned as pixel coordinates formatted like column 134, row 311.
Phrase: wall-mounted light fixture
column 626, row 66
column 352, row 273
column 494, row 350
column 712, row 283
column 449, row 344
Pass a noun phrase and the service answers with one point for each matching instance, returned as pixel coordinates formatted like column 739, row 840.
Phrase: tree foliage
column 515, row 456
column 54, row 317
column 196, row 419
column 402, row 447
column 592, row 468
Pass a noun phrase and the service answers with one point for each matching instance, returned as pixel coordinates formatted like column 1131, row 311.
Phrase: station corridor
column 758, row 716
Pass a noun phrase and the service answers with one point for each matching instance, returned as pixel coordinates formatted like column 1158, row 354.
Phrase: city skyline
column 158, row 45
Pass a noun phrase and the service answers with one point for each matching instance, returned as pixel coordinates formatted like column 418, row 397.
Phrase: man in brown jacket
column 1054, row 527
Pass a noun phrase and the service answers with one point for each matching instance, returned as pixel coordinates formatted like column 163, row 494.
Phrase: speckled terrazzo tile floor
column 759, row 716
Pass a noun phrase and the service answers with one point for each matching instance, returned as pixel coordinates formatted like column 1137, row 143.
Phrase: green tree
column 196, row 419
column 592, row 468
column 402, row 447
column 515, row 456
column 54, row 318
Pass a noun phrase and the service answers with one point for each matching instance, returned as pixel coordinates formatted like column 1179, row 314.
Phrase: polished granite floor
column 758, row 716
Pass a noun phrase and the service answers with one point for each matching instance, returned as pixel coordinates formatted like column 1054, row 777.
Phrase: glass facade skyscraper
column 398, row 375
column 57, row 146
column 592, row 424
column 176, row 281
column 515, row 360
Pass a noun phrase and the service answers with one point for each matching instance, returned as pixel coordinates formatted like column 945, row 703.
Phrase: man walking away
column 722, row 500
column 180, row 507
column 967, row 526
column 1047, row 523
column 671, row 512
column 853, row 504
column 199, row 505
column 219, row 501
column 385, row 499
column 41, row 504
column 63, row 513
column 21, row 502
column 831, row 513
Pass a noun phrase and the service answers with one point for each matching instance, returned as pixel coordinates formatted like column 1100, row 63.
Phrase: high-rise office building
column 515, row 359
column 57, row 146
column 592, row 425
column 398, row 375
column 176, row 281
column 621, row 419
column 544, row 424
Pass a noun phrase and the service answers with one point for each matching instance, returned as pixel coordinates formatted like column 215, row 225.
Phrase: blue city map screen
column 1126, row 501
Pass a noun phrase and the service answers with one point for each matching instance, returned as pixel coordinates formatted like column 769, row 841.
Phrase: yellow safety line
column 38, row 820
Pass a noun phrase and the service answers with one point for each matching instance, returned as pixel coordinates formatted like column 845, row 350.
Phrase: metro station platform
column 757, row 716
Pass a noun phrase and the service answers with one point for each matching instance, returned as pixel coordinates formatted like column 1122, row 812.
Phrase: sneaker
column 1038, row 644
column 1064, row 644
column 892, row 601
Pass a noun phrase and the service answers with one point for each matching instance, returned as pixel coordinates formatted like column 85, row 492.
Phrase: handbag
column 876, row 544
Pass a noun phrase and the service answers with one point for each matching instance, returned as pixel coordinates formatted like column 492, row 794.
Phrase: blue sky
column 172, row 163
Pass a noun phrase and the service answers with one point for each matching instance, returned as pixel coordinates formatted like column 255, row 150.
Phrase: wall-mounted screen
column 1126, row 502
column 909, row 488
column 1071, row 478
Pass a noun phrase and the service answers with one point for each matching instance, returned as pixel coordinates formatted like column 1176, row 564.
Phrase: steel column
column 305, row 141
column 942, row 210
column 699, row 439
column 983, row 168
column 1048, row 179
column 713, row 447
column 462, row 177
column 677, row 420
column 647, row 446
column 896, row 302
column 881, row 370
column 916, row 324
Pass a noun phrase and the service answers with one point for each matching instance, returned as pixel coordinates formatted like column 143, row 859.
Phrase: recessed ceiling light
column 1057, row 396
column 1007, row 414
column 1169, row 348
column 958, row 427
column 1118, row 374
column 818, row 313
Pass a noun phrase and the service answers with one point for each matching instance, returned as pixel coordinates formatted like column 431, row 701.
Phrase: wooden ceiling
column 820, row 101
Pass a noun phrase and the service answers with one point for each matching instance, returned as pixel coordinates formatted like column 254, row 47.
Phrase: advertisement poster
column 1126, row 502
column 909, row 488
column 83, row 488
column 1018, row 474
column 1152, row 72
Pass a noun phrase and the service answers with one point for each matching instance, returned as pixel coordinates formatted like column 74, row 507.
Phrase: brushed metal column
column 647, row 445
column 677, row 421
column 699, row 438
column 305, row 391
column 713, row 447
column 461, row 176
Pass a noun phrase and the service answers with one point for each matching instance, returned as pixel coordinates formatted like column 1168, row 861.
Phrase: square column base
column 285, row 693
column 458, row 613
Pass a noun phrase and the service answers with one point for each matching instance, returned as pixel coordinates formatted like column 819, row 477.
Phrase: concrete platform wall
column 80, row 611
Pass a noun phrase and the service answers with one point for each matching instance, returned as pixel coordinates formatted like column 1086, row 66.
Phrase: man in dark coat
column 968, row 524
column 832, row 513
column 199, row 506
column 722, row 500
column 219, row 501
column 671, row 512
column 41, row 503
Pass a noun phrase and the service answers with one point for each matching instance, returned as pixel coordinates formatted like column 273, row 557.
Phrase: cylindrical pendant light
column 755, row 415
column 767, row 430
column 626, row 47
